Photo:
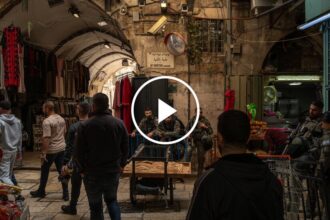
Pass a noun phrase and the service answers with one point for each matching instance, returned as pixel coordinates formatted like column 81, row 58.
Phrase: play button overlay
column 165, row 110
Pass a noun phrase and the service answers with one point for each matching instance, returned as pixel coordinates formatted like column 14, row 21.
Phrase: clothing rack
column 122, row 76
column 29, row 44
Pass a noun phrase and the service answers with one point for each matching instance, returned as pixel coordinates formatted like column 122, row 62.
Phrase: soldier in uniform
column 201, row 137
column 305, row 147
column 324, row 165
column 169, row 130
column 304, row 139
column 148, row 124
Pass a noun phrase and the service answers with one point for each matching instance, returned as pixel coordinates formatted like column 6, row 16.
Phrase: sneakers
column 37, row 194
column 67, row 209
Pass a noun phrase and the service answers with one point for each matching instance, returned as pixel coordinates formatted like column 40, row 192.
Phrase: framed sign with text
column 161, row 60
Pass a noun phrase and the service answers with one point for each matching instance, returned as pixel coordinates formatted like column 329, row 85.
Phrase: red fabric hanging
column 11, row 48
column 116, row 101
column 230, row 99
column 126, row 103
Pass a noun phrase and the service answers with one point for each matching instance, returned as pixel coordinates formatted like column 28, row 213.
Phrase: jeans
column 325, row 195
column 13, row 179
column 106, row 185
column 76, row 182
column 51, row 158
column 6, row 167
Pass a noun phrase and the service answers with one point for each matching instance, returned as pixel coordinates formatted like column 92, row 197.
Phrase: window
column 210, row 35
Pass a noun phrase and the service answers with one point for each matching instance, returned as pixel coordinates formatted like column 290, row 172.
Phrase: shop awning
column 56, row 30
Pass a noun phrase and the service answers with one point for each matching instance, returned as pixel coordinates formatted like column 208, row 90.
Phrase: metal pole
column 189, row 73
column 228, row 69
column 326, row 67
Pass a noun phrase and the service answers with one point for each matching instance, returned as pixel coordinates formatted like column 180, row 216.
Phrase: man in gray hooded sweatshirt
column 10, row 141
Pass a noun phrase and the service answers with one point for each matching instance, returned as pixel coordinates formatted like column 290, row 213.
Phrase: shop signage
column 160, row 60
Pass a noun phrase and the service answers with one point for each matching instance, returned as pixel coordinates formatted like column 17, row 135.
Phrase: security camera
column 158, row 25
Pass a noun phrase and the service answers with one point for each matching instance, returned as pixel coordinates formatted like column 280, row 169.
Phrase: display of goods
column 152, row 167
column 6, row 189
column 9, row 211
column 258, row 130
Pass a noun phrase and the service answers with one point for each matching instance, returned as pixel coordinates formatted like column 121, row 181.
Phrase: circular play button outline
column 197, row 108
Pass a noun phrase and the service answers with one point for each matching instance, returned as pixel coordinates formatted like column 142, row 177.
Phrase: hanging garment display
column 81, row 78
column 126, row 103
column 51, row 74
column 116, row 100
column 2, row 72
column 35, row 69
column 230, row 99
column 11, row 48
column 59, row 78
column 21, row 88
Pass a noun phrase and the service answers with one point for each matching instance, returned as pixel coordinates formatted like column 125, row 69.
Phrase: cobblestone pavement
column 148, row 208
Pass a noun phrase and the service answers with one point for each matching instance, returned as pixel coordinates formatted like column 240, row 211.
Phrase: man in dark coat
column 101, row 152
column 239, row 185
column 82, row 112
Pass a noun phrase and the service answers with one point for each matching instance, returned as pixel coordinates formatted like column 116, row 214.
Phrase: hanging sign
column 160, row 60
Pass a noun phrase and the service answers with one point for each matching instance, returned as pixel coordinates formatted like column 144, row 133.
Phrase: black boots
column 37, row 194
column 67, row 209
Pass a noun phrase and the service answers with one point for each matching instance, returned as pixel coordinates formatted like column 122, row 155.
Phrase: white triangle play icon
column 164, row 111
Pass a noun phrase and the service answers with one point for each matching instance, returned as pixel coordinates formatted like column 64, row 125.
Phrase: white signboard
column 160, row 60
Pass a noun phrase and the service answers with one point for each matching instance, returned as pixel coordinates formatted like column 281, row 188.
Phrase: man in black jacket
column 101, row 152
column 239, row 186
column 82, row 112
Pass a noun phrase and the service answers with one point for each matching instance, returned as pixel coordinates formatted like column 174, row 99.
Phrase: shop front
column 59, row 53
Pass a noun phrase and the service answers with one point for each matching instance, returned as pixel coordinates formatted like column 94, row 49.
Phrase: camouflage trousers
column 200, row 156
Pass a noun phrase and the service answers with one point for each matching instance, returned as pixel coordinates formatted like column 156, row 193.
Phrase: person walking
column 239, row 185
column 101, row 152
column 52, row 150
column 82, row 112
column 10, row 142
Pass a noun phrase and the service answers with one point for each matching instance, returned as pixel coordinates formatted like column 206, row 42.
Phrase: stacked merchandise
column 12, row 205
column 65, row 107
column 37, row 133
column 258, row 130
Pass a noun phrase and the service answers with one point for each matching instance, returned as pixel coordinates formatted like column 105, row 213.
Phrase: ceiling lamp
column 124, row 62
column 295, row 84
column 298, row 78
column 163, row 6
column 74, row 11
column 102, row 23
column 107, row 45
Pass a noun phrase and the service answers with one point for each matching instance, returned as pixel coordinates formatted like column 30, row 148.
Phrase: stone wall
column 255, row 37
